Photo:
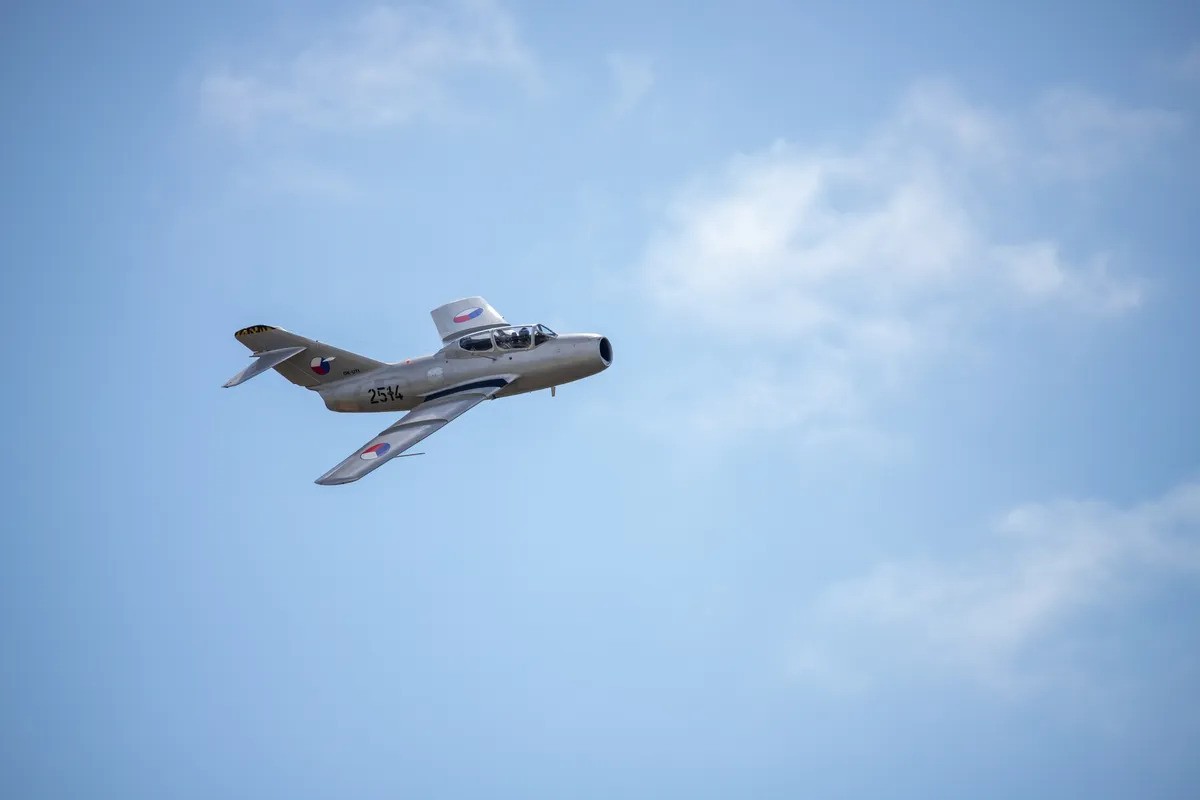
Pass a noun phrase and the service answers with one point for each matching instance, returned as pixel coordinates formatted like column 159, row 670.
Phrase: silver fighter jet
column 482, row 357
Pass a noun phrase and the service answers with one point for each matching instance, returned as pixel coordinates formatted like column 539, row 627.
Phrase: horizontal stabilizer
column 303, row 361
column 263, row 362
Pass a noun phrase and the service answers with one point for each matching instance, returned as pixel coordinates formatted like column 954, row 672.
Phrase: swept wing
column 437, row 410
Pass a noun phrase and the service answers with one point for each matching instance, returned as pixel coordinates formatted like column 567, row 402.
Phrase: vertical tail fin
column 304, row 362
column 467, row 315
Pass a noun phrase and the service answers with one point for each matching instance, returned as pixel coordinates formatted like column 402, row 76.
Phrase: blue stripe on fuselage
column 466, row 387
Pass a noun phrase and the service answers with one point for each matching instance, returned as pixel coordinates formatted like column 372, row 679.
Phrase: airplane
column 482, row 357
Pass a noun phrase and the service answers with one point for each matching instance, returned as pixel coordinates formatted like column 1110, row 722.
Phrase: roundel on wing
column 467, row 314
column 320, row 365
column 375, row 451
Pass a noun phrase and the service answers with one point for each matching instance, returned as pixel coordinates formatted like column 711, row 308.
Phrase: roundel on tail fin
column 467, row 315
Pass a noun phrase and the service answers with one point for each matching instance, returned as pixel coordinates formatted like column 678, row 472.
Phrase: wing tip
column 325, row 480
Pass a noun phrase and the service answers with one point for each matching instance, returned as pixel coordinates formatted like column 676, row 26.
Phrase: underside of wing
column 414, row 426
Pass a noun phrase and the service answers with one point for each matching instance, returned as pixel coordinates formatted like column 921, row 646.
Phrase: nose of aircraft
column 605, row 349
column 590, row 351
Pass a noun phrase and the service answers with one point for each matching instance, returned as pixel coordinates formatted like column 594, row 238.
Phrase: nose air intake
column 606, row 353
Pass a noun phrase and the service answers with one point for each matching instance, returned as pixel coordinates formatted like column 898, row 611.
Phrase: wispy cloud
column 990, row 615
column 859, row 263
column 1038, row 273
column 387, row 67
column 632, row 77
column 1084, row 135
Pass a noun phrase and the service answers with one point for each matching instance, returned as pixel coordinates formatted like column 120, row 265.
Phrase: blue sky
column 892, row 490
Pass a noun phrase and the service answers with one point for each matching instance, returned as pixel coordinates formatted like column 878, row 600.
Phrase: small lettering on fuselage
column 384, row 394
column 354, row 371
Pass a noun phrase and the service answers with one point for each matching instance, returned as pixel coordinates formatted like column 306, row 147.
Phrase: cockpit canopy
column 520, row 337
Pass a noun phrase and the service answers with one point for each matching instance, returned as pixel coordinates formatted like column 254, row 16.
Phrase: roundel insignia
column 320, row 365
column 375, row 451
column 468, row 314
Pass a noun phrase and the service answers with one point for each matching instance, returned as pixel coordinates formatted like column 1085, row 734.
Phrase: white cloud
column 935, row 112
column 1085, row 135
column 1037, row 272
column 633, row 78
column 863, row 262
column 387, row 67
column 990, row 616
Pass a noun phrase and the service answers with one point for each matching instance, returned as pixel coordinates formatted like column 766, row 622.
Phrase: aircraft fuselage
column 405, row 385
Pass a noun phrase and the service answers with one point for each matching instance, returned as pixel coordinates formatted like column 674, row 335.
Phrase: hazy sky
column 893, row 489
